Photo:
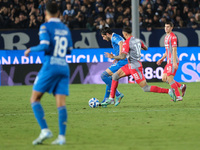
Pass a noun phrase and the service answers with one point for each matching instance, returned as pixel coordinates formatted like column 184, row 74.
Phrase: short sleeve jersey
column 58, row 38
column 170, row 41
column 132, row 47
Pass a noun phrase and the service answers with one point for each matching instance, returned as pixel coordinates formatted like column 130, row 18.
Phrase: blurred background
column 20, row 21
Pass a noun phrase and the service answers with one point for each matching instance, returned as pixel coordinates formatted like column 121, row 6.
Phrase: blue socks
column 108, row 81
column 117, row 93
column 62, row 119
column 39, row 114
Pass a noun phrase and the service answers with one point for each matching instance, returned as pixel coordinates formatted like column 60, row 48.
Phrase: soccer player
column 132, row 50
column 117, row 43
column 172, row 61
column 55, row 41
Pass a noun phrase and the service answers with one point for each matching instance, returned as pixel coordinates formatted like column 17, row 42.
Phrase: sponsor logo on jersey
column 43, row 27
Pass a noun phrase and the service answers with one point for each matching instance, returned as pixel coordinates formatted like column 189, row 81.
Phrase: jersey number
column 61, row 46
column 138, row 48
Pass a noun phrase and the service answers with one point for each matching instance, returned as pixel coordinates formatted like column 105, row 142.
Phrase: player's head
column 106, row 33
column 168, row 27
column 127, row 31
column 51, row 10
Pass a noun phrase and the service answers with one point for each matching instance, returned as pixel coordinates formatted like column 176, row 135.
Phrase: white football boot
column 60, row 140
column 45, row 134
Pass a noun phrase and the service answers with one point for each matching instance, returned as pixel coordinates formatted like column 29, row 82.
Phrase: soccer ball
column 93, row 102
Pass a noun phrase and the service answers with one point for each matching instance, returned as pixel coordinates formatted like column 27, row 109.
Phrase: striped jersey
column 170, row 42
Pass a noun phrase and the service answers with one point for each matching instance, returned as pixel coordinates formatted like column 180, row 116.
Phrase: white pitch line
column 24, row 114
column 114, row 111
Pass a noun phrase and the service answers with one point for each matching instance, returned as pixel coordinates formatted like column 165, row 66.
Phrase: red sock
column 157, row 89
column 175, row 87
column 178, row 84
column 113, row 88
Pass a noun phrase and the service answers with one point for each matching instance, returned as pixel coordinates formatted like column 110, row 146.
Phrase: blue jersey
column 115, row 39
column 115, row 42
column 55, row 40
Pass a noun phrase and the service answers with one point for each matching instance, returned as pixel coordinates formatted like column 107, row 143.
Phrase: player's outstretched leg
column 45, row 134
column 157, row 89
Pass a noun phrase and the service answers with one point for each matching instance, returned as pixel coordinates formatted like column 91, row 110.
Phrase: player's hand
column 109, row 55
column 26, row 53
column 175, row 66
column 159, row 62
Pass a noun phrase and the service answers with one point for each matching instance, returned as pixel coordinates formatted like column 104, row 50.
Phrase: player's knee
column 33, row 100
column 115, row 76
column 164, row 79
column 104, row 75
column 146, row 88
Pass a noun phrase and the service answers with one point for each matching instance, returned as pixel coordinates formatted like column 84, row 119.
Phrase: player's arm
column 44, row 42
column 161, row 59
column 122, row 55
column 119, row 57
column 120, row 47
column 120, row 43
column 174, row 51
column 143, row 46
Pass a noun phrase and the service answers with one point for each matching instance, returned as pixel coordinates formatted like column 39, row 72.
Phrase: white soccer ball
column 93, row 102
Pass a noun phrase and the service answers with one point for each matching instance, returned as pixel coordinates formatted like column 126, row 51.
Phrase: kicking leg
column 156, row 89
column 115, row 78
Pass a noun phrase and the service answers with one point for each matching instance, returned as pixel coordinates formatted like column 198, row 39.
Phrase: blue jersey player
column 55, row 41
column 117, row 43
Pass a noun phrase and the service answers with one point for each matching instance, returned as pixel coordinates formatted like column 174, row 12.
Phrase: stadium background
column 18, row 31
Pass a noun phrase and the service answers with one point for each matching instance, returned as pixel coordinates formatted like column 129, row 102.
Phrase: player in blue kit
column 56, row 41
column 117, row 43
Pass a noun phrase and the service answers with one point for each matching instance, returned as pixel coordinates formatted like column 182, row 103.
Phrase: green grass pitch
column 143, row 121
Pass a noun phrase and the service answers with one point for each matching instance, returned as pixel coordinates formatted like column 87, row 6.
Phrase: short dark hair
column 170, row 23
column 105, row 30
column 52, row 7
column 127, row 29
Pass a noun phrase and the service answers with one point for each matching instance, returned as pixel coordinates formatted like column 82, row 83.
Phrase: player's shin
column 62, row 119
column 107, row 80
column 113, row 88
column 157, row 89
column 39, row 114
column 178, row 84
column 175, row 87
column 107, row 93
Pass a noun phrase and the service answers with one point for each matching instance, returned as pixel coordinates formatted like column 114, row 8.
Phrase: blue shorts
column 116, row 66
column 53, row 80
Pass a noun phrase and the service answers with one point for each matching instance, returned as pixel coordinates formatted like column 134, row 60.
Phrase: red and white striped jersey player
column 170, row 69
column 132, row 50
